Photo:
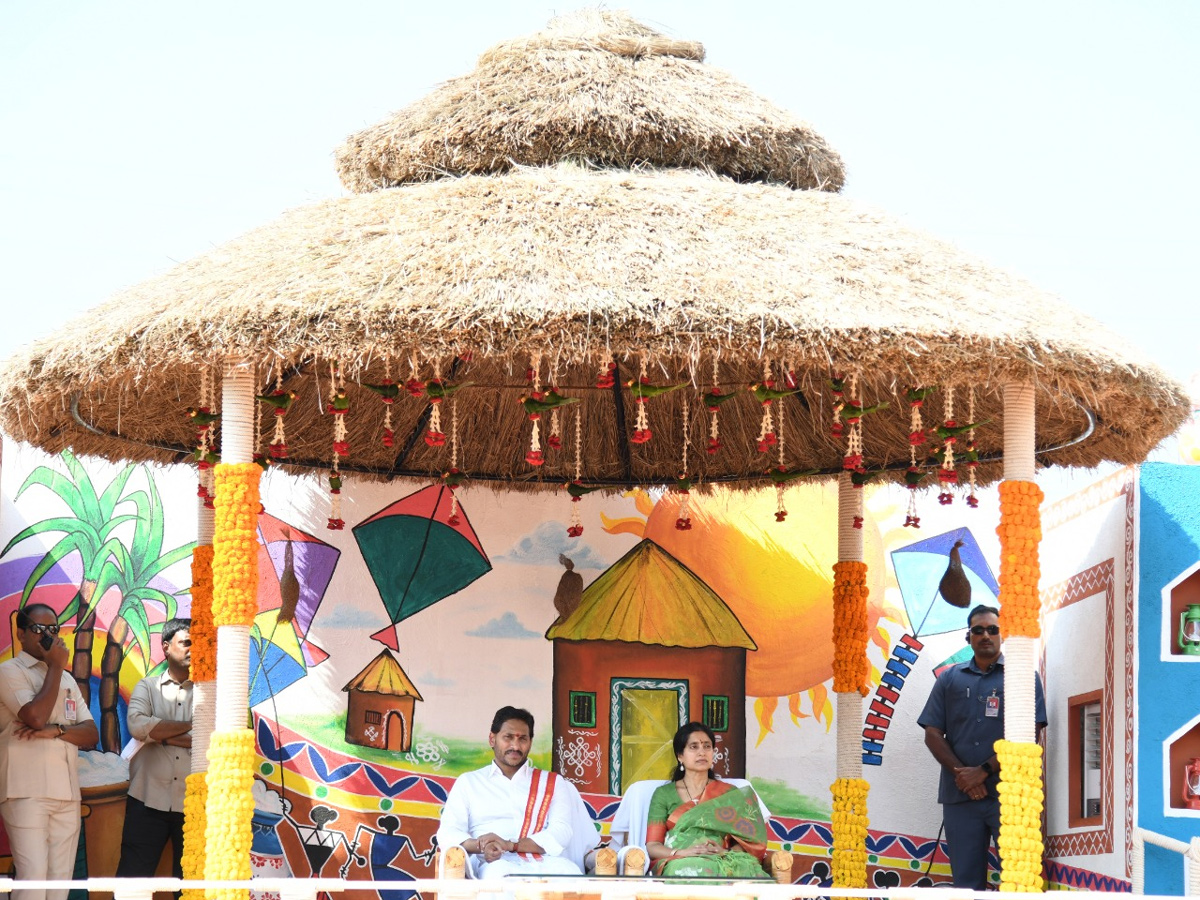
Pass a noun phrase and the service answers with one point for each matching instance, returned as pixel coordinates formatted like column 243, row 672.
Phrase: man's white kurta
column 485, row 801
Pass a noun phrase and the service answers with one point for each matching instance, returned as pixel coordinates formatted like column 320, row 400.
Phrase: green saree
column 724, row 814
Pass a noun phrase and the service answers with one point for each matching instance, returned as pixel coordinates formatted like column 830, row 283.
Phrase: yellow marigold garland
column 203, row 634
column 850, row 666
column 1021, row 801
column 193, row 831
column 230, row 807
column 235, row 562
column 1020, row 532
column 849, row 832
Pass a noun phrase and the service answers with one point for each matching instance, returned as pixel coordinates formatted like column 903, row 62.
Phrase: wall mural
column 611, row 638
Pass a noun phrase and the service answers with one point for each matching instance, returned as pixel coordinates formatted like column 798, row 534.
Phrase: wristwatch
column 61, row 729
column 987, row 767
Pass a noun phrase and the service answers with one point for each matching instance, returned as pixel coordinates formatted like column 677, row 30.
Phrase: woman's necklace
column 688, row 790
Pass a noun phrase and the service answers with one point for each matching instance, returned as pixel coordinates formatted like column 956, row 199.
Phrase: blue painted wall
column 1169, row 544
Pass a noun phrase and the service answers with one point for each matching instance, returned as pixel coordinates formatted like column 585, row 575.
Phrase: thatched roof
column 473, row 277
column 596, row 86
column 650, row 597
column 383, row 675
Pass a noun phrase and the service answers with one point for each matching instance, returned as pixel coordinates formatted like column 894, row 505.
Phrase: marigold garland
column 1020, row 532
column 202, row 631
column 1022, row 799
column 194, row 802
column 849, row 823
column 850, row 665
column 230, row 807
column 235, row 545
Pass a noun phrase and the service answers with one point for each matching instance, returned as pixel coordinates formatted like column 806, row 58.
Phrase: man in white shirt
column 511, row 818
column 160, row 715
column 43, row 723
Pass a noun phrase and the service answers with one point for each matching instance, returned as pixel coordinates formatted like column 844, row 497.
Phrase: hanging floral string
column 780, row 508
column 554, row 438
column 947, row 476
column 917, row 436
column 534, row 457
column 1022, row 799
column 837, row 387
column 713, row 400
column 853, row 460
column 576, row 488
column 850, row 823
column 204, row 418
column 434, row 436
column 763, row 393
column 972, row 455
column 279, row 402
column 642, row 391
column 388, row 391
column 683, row 484
column 338, row 405
column 608, row 375
column 415, row 386
column 453, row 477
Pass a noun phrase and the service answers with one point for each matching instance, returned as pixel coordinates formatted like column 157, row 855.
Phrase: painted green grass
column 783, row 800
column 457, row 755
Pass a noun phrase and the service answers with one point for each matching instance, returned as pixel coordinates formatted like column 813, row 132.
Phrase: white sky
column 1056, row 139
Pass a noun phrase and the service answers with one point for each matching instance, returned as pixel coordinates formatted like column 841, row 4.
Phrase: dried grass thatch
column 479, row 273
column 595, row 86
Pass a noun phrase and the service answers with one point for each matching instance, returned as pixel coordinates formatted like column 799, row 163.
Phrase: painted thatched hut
column 650, row 646
column 380, row 705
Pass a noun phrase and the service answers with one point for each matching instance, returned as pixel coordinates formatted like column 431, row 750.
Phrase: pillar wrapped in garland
column 1022, row 793
column 850, row 671
column 203, row 673
column 230, row 780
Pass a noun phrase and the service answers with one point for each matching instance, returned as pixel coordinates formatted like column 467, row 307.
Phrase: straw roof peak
column 595, row 85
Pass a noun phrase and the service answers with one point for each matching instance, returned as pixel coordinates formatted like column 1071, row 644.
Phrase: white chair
column 627, row 832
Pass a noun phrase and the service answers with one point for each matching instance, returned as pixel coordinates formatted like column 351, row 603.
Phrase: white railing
column 521, row 888
column 1189, row 851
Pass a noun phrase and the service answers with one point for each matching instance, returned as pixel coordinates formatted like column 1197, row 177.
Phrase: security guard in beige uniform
column 43, row 723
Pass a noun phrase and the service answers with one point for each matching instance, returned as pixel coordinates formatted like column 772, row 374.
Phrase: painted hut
column 380, row 705
column 650, row 646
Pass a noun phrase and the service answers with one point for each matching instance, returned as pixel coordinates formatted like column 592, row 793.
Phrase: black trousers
column 145, row 834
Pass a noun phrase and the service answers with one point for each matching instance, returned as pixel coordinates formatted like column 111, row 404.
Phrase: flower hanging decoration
column 948, row 432
column 608, row 375
column 850, row 635
column 203, row 633
column 713, row 400
column 453, row 477
column 1022, row 799
column 851, row 412
column 205, row 419
column 972, row 455
column 837, row 387
column 415, row 386
column 766, row 394
column 554, row 438
column 849, row 825
column 388, row 391
column 642, row 390
column 576, row 488
column 683, row 484
column 337, row 408
column 534, row 456
column 917, row 436
column 279, row 402
column 536, row 405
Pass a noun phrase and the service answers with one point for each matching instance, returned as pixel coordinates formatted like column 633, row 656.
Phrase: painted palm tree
column 135, row 572
column 88, row 531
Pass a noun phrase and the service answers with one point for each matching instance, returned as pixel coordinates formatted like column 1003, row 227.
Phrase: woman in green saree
column 701, row 827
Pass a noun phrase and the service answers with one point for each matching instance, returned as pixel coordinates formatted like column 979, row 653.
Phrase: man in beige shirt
column 43, row 723
column 160, row 715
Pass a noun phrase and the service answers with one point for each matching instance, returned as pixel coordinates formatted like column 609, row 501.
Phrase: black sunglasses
column 38, row 628
column 993, row 630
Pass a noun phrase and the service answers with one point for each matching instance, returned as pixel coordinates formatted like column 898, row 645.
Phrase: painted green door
column 649, row 719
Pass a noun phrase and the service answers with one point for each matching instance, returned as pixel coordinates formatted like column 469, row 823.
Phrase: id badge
column 992, row 707
column 70, row 714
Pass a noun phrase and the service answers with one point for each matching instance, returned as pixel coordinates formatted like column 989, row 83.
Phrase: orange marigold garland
column 194, row 820
column 1022, row 799
column 1020, row 532
column 203, row 633
column 230, row 807
column 235, row 544
column 849, row 825
column 850, row 665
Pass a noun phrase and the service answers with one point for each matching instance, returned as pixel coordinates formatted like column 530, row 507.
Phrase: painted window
column 371, row 717
column 716, row 712
column 1085, row 730
column 583, row 709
